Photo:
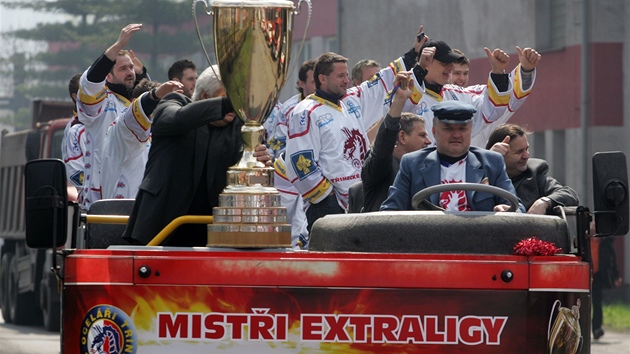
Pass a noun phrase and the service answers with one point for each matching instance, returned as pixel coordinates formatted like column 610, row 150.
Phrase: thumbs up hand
column 503, row 147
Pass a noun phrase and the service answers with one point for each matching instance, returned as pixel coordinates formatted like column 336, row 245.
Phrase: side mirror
column 45, row 193
column 610, row 193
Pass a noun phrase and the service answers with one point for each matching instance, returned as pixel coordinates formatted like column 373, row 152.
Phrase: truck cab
column 28, row 292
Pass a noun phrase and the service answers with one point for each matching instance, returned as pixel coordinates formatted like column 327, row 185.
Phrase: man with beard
column 327, row 136
column 184, row 71
column 105, row 93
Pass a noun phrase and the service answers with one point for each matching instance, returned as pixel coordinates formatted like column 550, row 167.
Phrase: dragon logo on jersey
column 108, row 330
column 302, row 162
column 355, row 147
column 454, row 200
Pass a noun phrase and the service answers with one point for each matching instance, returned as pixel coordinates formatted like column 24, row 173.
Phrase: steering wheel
column 421, row 196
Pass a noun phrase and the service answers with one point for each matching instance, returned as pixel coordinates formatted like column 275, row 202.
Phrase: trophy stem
column 252, row 42
column 253, row 135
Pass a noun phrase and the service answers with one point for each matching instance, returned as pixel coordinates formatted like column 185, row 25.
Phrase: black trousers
column 598, row 315
column 327, row 206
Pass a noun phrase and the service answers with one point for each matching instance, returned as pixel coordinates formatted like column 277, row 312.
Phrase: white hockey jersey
column 492, row 105
column 291, row 199
column 72, row 152
column 97, row 108
column 328, row 142
column 126, row 151
column 270, row 125
column 278, row 138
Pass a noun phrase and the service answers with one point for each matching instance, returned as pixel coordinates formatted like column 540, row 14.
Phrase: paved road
column 617, row 343
column 28, row 340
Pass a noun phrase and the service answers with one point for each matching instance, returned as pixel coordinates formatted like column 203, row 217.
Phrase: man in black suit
column 538, row 191
column 194, row 143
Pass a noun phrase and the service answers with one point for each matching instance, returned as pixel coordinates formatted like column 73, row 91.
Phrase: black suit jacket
column 535, row 182
column 184, row 149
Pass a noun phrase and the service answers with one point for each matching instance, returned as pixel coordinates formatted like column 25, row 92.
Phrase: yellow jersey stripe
column 518, row 92
column 92, row 100
column 319, row 192
column 139, row 115
column 495, row 97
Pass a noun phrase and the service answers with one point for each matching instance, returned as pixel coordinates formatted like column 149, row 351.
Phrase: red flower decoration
column 535, row 247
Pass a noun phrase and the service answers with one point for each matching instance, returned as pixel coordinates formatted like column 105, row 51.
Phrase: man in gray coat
column 539, row 192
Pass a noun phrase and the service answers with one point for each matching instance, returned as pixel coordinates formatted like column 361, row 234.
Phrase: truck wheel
column 4, row 286
column 50, row 307
column 22, row 307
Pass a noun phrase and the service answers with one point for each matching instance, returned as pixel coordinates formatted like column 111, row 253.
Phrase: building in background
column 321, row 37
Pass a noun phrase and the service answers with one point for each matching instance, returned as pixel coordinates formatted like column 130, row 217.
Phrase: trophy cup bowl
column 565, row 336
column 252, row 42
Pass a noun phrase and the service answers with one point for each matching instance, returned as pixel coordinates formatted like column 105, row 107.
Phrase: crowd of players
column 340, row 144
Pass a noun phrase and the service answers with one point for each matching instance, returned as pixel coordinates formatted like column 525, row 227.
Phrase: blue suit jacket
column 421, row 169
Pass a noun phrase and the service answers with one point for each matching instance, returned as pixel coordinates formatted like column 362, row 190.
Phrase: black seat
column 355, row 198
column 105, row 235
column 435, row 232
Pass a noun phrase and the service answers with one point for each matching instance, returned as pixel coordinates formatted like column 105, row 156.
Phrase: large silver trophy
column 252, row 42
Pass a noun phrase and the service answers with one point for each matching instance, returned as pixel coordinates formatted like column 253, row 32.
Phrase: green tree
column 168, row 34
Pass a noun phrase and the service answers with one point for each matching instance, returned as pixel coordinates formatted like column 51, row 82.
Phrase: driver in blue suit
column 452, row 160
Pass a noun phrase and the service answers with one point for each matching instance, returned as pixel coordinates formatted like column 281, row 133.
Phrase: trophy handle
column 579, row 349
column 194, row 13
column 308, row 23
column 209, row 11
column 557, row 302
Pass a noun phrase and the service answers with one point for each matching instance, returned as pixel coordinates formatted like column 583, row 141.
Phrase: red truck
column 28, row 290
column 386, row 282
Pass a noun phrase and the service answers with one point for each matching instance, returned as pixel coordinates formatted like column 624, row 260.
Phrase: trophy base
column 249, row 214
column 249, row 239
column 250, row 177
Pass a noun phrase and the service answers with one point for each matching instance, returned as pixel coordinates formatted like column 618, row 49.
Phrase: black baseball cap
column 443, row 52
column 453, row 112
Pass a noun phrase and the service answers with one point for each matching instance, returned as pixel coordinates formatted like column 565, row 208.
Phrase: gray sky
column 14, row 19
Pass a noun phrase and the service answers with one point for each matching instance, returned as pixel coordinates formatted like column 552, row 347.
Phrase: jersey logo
column 454, row 200
column 324, row 120
column 77, row 178
column 108, row 330
column 277, row 144
column 354, row 109
column 354, row 147
column 421, row 109
column 303, row 165
column 303, row 118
